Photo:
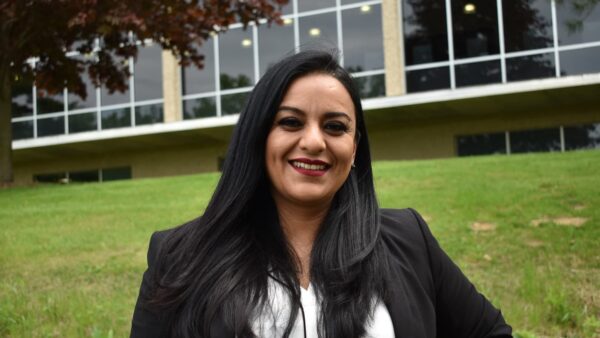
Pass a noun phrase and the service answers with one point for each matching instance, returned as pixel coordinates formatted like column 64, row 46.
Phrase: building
column 440, row 78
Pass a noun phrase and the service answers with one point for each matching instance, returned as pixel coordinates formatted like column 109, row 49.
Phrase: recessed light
column 314, row 32
column 470, row 8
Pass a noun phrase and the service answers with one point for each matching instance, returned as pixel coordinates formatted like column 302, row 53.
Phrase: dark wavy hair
column 217, row 266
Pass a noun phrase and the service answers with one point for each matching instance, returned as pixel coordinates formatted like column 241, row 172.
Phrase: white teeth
column 308, row 166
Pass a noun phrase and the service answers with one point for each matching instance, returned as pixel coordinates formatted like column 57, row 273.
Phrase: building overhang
column 535, row 95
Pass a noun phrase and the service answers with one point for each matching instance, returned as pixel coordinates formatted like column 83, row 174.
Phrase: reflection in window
column 50, row 178
column 236, row 58
column 197, row 108
column 148, row 73
column 116, row 118
column 200, row 80
column 363, row 39
column 370, row 86
column 82, row 122
column 482, row 144
column 580, row 61
column 149, row 114
column 427, row 79
column 116, row 97
column 582, row 137
column 47, row 104
column 274, row 43
column 478, row 73
column 475, row 25
column 233, row 103
column 578, row 21
column 22, row 130
column 425, row 37
column 530, row 67
column 318, row 31
column 84, row 176
column 310, row 5
column 539, row 140
column 527, row 24
column 22, row 98
column 75, row 102
column 113, row 174
column 51, row 126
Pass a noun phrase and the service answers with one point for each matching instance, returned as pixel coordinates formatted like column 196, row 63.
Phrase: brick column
column 171, row 87
column 393, row 47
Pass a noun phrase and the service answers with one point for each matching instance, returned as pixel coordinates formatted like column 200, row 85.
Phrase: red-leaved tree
column 47, row 29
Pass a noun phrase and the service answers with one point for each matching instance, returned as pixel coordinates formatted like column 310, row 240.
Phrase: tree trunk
column 6, row 168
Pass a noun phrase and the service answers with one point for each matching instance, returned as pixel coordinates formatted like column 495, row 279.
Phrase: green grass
column 72, row 257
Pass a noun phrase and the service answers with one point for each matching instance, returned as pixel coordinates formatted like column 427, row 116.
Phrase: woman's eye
column 289, row 122
column 336, row 127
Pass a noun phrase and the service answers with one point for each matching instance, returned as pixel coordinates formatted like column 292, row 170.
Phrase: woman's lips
column 310, row 167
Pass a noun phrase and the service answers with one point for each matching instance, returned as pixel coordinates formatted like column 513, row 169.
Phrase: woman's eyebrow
column 332, row 114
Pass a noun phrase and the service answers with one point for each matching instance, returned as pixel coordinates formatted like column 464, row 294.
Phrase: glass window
column 538, row 140
column 51, row 126
column 318, row 31
column 22, row 98
column 113, row 174
column 82, row 122
column 370, row 86
column 233, row 103
column 148, row 73
column 427, row 79
column 363, row 39
column 22, row 130
column 582, row 137
column 50, row 178
column 580, row 61
column 75, row 102
column 478, row 73
column 309, row 5
column 149, row 114
column 274, row 43
column 482, row 144
column 200, row 80
column 475, row 25
column 236, row 58
column 197, row 108
column 425, row 37
column 530, row 67
column 527, row 24
column 47, row 104
column 578, row 21
column 84, row 176
column 116, row 118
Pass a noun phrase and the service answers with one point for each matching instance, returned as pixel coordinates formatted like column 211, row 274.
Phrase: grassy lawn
column 525, row 229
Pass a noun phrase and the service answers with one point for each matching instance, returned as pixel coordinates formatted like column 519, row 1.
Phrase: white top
column 272, row 320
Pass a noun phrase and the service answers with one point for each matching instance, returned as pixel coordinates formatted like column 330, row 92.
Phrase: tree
column 102, row 35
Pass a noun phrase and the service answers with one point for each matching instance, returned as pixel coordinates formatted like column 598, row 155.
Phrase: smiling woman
column 293, row 243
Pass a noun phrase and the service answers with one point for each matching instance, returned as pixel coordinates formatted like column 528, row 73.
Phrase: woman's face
column 311, row 146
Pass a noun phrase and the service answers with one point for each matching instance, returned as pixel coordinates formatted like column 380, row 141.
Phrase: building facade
column 439, row 78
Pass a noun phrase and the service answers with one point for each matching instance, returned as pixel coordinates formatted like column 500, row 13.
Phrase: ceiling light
column 288, row 21
column 314, row 32
column 469, row 8
column 365, row 8
column 246, row 42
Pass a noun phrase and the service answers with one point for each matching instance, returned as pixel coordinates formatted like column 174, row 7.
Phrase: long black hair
column 217, row 267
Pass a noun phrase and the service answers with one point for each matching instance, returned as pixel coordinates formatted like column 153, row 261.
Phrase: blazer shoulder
column 405, row 223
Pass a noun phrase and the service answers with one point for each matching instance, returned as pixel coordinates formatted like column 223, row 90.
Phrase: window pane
column 233, row 103
column 82, row 122
column 309, row 5
column 236, row 58
column 482, row 144
column 50, row 178
column 51, row 126
column 582, row 137
column 363, row 39
column 75, row 102
column 535, row 140
column 148, row 73
column 113, row 174
column 197, row 108
column 527, row 24
column 22, row 98
column 274, row 42
column 530, row 67
column 578, row 21
column 427, row 79
column 149, row 114
column 116, row 97
column 370, row 86
column 318, row 31
column 84, row 176
column 47, row 104
column 425, row 38
column 475, row 24
column 22, row 130
column 116, row 118
column 200, row 80
column 580, row 61
column 472, row 74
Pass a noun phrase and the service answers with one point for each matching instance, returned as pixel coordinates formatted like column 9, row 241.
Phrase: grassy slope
column 71, row 257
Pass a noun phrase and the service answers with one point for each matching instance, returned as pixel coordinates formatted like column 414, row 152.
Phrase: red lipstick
column 310, row 167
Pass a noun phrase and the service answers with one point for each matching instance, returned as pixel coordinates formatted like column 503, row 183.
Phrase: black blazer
column 431, row 297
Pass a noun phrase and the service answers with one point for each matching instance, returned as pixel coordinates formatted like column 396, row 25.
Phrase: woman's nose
column 312, row 140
